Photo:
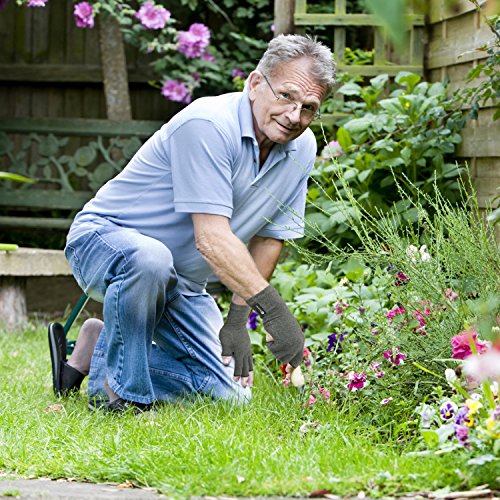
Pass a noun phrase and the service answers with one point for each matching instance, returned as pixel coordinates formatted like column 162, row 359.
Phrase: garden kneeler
column 63, row 375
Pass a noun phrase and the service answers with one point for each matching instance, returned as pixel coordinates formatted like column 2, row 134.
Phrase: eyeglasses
column 307, row 111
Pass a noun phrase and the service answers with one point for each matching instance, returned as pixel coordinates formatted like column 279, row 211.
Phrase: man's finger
column 226, row 360
column 250, row 378
column 269, row 338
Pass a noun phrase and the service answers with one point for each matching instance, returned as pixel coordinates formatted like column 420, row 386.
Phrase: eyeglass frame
column 295, row 104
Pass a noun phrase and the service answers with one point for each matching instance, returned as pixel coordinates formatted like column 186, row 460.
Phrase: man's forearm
column 265, row 253
column 227, row 256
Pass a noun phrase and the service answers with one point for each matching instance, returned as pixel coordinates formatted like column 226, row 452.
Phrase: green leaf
column 350, row 89
column 15, row 177
column 364, row 175
column 391, row 14
column 357, row 125
column 379, row 81
column 344, row 138
column 408, row 80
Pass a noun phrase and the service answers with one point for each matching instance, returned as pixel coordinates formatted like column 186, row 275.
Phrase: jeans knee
column 154, row 264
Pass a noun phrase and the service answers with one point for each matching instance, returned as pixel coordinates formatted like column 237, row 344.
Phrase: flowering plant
column 466, row 414
column 182, row 60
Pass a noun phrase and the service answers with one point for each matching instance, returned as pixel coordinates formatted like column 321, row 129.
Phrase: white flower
column 297, row 378
column 450, row 375
column 423, row 254
column 412, row 252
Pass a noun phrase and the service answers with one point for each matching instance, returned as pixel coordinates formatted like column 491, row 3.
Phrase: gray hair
column 286, row 48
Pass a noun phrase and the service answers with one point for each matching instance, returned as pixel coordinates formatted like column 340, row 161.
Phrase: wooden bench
column 69, row 160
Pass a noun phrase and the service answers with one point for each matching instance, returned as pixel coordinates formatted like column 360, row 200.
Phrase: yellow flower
column 490, row 425
column 469, row 421
column 473, row 406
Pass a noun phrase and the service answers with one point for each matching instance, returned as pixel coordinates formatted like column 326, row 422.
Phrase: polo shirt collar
column 246, row 124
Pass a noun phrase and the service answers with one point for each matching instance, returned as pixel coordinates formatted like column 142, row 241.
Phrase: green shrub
column 405, row 132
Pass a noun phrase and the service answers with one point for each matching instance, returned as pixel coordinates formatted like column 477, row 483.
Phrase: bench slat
column 44, row 199
column 80, row 127
column 35, row 222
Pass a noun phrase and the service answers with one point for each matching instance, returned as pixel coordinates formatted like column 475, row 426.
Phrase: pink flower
column 36, row 3
column 286, row 382
column 340, row 306
column 153, row 17
column 325, row 393
column 332, row 150
column 461, row 344
column 377, row 372
column 356, row 380
column 84, row 15
column 206, row 56
column 192, row 42
column 401, row 279
column 385, row 401
column 396, row 357
column 312, row 400
column 176, row 91
column 395, row 312
column 450, row 294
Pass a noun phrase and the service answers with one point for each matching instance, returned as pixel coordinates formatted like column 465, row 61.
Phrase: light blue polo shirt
column 206, row 160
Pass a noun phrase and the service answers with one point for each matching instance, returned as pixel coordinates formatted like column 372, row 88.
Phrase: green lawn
column 207, row 448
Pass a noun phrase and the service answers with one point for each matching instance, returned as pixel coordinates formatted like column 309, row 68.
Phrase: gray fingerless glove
column 288, row 343
column 235, row 339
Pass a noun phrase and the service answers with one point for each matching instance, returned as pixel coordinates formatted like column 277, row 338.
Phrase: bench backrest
column 69, row 159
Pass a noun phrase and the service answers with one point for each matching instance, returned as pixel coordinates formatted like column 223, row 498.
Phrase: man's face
column 299, row 96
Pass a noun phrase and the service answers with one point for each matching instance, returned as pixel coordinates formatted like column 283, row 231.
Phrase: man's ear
column 254, row 80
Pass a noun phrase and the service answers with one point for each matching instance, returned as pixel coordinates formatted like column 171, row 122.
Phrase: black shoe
column 118, row 406
column 65, row 378
column 122, row 405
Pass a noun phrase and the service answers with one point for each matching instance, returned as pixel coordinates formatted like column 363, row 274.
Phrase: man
column 216, row 190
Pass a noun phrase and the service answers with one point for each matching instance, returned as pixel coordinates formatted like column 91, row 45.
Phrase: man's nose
column 293, row 114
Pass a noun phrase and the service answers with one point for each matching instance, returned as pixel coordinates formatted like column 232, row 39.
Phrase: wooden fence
column 50, row 68
column 455, row 32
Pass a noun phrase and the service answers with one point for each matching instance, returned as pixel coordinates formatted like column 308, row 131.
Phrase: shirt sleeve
column 201, row 159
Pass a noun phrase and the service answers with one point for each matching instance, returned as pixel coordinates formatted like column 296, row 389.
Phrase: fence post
column 283, row 16
column 114, row 69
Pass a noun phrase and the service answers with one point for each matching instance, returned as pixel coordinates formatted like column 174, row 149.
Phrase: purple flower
column 238, row 73
column 448, row 410
column 385, row 401
column 356, row 380
column 461, row 433
column 206, row 56
column 334, row 342
column 153, row 17
column 462, row 416
column 401, row 279
column 36, row 3
column 191, row 43
column 396, row 357
column 252, row 320
column 176, row 91
column 84, row 15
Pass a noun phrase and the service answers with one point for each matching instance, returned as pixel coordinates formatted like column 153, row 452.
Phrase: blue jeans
column 156, row 344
